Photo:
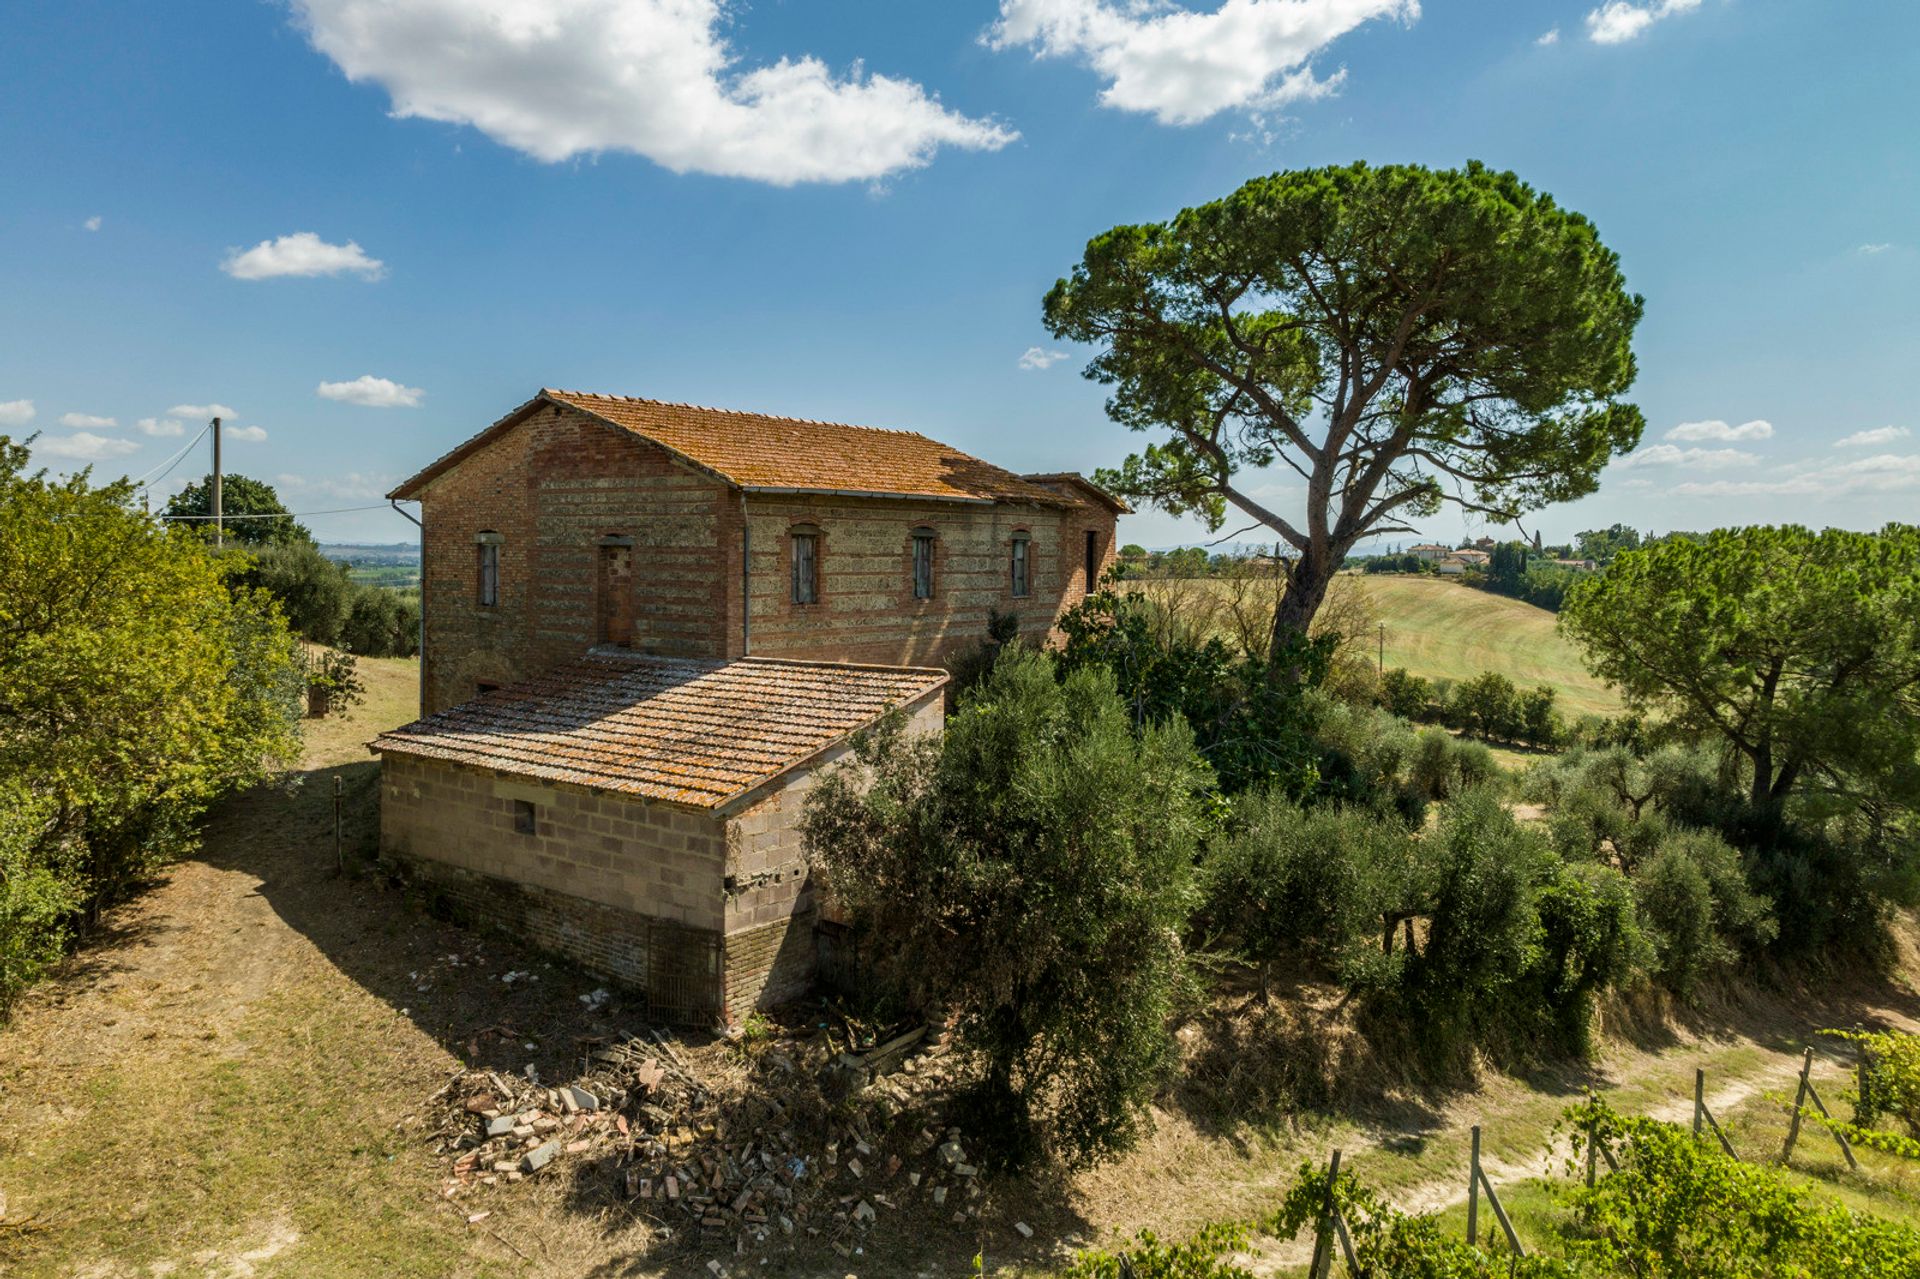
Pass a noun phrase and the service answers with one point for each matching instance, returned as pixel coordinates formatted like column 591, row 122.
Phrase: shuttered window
column 1020, row 576
column 806, row 568
column 923, row 564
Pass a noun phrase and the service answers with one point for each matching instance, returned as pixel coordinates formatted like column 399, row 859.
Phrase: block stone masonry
column 639, row 816
column 624, row 704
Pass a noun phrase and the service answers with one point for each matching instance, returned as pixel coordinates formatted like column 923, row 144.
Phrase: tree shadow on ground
column 447, row 980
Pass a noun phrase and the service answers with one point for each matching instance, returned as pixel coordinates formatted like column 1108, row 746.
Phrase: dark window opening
column 806, row 568
column 485, row 686
column 1019, row 577
column 923, row 566
column 523, row 817
column 1093, row 559
column 487, row 591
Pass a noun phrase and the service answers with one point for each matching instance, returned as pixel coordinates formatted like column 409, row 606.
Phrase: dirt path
column 226, row 1083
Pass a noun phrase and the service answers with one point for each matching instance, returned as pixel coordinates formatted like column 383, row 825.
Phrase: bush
column 382, row 622
column 1251, row 719
column 1698, row 909
column 1488, row 706
column 1029, row 871
column 136, row 688
column 1318, row 884
column 1443, row 766
column 1365, row 758
column 314, row 592
column 1483, row 932
column 1406, row 694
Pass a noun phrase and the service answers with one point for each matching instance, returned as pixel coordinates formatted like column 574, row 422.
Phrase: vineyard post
column 1800, row 1098
column 1591, row 1128
column 1473, row 1190
column 1700, row 1113
column 1322, row 1251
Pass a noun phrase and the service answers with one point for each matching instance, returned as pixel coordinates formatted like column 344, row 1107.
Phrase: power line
column 144, row 483
column 283, row 515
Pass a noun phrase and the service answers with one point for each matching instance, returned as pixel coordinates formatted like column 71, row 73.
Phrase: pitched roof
column 687, row 732
column 765, row 454
column 1055, row 479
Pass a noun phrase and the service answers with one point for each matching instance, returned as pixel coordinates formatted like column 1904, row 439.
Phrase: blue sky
column 848, row 209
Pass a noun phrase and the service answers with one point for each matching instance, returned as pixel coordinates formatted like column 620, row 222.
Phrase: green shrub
column 1030, row 872
column 382, row 622
column 1318, row 884
column 38, row 890
column 1443, row 766
column 1699, row 912
column 1249, row 715
column 1680, row 1209
column 314, row 592
column 1487, row 705
column 1590, row 941
column 1406, row 694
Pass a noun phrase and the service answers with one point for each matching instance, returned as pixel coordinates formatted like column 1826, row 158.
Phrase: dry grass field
column 229, row 1082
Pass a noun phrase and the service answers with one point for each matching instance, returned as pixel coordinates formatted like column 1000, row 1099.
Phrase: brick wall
column 770, row 886
column 556, row 487
column 866, row 611
column 578, row 505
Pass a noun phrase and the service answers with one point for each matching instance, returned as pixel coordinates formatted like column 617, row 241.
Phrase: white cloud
column 301, row 254
column 85, row 446
column 1184, row 66
column 1886, row 473
column 1872, row 439
column 87, row 420
column 1551, row 37
column 16, row 412
column 203, row 412
column 160, row 426
column 1617, row 21
column 1871, row 249
column 372, row 392
column 246, row 434
column 1758, row 429
column 1038, row 358
column 561, row 78
column 1673, row 455
column 92, row 223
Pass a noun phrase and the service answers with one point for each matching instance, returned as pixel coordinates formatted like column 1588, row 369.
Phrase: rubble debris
column 742, row 1146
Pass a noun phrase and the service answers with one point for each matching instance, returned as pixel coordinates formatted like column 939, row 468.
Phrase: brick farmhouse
column 647, row 625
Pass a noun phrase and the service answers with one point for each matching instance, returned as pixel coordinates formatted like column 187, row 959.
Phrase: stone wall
column 866, row 611
column 563, row 491
column 630, row 890
column 771, row 902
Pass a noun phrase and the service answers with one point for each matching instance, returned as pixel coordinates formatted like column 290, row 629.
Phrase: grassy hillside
column 1443, row 630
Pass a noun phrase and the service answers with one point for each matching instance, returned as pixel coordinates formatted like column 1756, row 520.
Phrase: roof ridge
column 712, row 408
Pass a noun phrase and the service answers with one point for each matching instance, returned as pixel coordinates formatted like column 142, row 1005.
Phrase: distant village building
column 1430, row 551
column 648, row 625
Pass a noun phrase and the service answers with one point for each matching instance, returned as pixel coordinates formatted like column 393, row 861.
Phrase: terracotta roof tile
column 759, row 452
column 696, row 733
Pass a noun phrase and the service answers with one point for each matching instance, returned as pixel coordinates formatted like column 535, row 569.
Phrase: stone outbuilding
column 639, row 815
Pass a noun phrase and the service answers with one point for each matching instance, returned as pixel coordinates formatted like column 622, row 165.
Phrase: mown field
column 1443, row 630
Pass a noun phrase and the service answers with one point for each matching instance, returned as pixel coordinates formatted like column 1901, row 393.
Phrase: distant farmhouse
column 646, row 628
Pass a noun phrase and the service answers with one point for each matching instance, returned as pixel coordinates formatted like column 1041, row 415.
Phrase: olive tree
column 1397, row 337
column 1030, row 872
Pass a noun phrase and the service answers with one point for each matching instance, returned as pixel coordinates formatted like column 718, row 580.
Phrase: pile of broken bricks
column 767, row 1162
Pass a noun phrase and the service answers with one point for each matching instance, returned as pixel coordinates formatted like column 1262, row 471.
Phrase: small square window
column 523, row 817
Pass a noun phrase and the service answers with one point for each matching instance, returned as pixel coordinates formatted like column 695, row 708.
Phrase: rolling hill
column 1443, row 630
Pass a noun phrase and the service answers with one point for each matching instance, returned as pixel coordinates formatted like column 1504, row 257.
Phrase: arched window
column 923, row 563
column 486, row 567
column 1020, row 568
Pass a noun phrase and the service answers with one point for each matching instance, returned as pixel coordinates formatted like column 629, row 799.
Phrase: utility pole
column 219, row 526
